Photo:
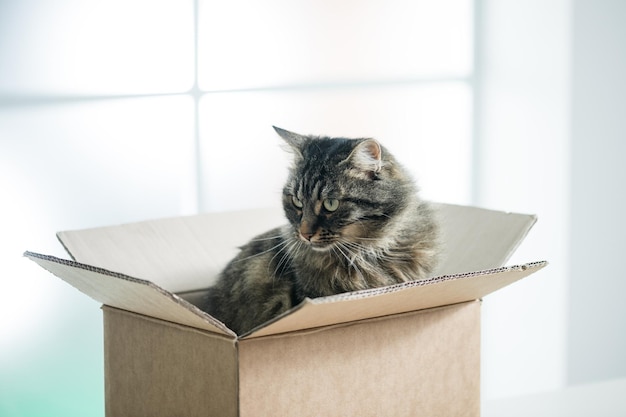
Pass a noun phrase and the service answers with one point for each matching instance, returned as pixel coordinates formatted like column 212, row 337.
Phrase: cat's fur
column 372, row 231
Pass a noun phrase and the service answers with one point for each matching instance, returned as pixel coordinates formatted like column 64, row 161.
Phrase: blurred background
column 120, row 111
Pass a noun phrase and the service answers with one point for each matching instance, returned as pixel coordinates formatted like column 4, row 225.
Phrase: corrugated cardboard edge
column 131, row 294
column 394, row 299
column 531, row 267
column 147, row 298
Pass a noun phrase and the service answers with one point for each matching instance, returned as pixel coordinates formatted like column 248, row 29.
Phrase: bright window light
column 427, row 127
column 121, row 111
column 251, row 44
column 77, row 47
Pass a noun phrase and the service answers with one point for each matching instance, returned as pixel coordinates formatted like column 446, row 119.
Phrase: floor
column 601, row 399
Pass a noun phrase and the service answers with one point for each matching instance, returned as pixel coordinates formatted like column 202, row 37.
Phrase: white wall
column 597, row 310
column 552, row 139
column 523, row 165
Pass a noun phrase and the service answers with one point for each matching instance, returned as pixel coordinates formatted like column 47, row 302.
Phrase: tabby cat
column 355, row 222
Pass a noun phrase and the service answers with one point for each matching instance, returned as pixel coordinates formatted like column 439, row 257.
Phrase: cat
column 355, row 221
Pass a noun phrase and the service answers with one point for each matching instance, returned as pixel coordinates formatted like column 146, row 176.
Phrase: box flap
column 187, row 253
column 395, row 299
column 154, row 259
column 128, row 293
column 476, row 239
column 179, row 254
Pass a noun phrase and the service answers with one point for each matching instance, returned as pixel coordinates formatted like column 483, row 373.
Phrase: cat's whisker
column 353, row 262
column 372, row 239
column 375, row 254
column 343, row 249
column 288, row 256
column 335, row 277
column 262, row 239
column 285, row 250
column 357, row 246
column 282, row 243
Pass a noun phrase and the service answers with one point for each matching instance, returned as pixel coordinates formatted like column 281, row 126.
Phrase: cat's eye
column 296, row 202
column 331, row 204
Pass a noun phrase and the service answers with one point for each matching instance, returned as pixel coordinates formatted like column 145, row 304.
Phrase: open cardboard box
column 410, row 349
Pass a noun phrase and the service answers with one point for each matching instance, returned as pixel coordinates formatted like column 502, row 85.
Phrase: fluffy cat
column 355, row 222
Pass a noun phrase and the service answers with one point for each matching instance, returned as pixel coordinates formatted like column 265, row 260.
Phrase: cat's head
column 342, row 192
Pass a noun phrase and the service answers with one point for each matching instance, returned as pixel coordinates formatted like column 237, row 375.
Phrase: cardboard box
column 410, row 349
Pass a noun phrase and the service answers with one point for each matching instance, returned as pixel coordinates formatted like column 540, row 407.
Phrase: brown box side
column 412, row 364
column 157, row 368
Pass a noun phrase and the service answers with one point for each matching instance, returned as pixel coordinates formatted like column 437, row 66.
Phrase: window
column 400, row 71
column 120, row 111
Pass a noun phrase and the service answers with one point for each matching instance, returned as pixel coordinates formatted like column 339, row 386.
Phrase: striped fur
column 355, row 221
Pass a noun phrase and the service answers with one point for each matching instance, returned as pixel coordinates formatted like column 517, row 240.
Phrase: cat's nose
column 306, row 231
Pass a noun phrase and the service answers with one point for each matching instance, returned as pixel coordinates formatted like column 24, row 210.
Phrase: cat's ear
column 367, row 156
column 294, row 140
